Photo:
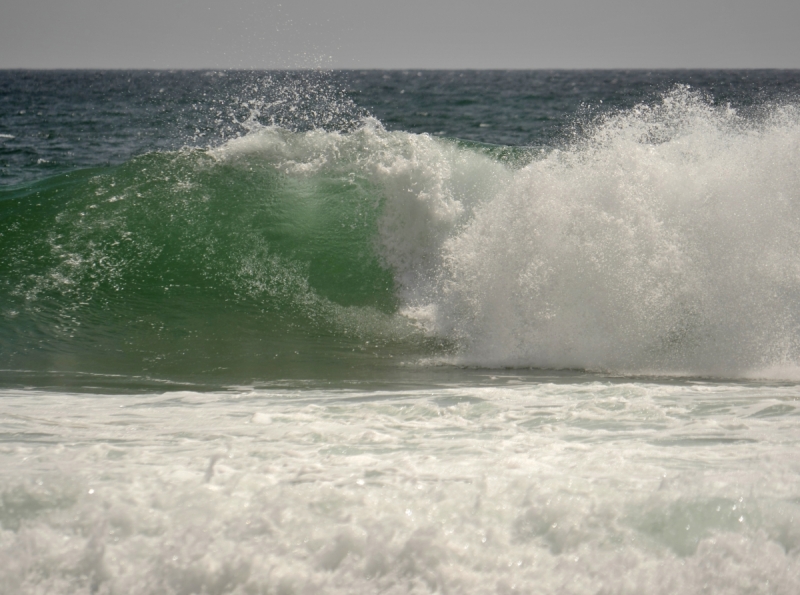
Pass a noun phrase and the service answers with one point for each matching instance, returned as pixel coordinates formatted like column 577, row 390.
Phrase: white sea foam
column 513, row 486
column 662, row 240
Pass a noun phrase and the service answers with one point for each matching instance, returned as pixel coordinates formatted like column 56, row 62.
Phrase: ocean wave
column 661, row 239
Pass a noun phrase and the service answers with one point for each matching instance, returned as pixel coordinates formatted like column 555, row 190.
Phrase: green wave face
column 185, row 263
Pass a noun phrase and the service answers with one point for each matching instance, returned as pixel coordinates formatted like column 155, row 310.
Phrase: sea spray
column 664, row 241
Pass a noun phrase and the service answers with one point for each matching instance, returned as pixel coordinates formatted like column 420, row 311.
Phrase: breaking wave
column 662, row 239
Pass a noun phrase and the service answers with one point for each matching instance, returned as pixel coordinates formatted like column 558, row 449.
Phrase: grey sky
column 399, row 34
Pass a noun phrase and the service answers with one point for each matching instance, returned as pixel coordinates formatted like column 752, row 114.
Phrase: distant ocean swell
column 662, row 239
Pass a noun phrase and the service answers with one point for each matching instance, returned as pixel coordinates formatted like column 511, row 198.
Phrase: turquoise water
column 402, row 332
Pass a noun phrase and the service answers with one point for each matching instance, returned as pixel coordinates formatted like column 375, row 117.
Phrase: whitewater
column 664, row 241
column 303, row 333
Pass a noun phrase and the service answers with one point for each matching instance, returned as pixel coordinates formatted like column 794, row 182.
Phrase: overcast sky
column 400, row 34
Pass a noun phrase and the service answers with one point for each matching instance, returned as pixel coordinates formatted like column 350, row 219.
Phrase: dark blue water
column 56, row 121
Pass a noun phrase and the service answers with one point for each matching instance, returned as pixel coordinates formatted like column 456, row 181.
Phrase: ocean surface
column 401, row 332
